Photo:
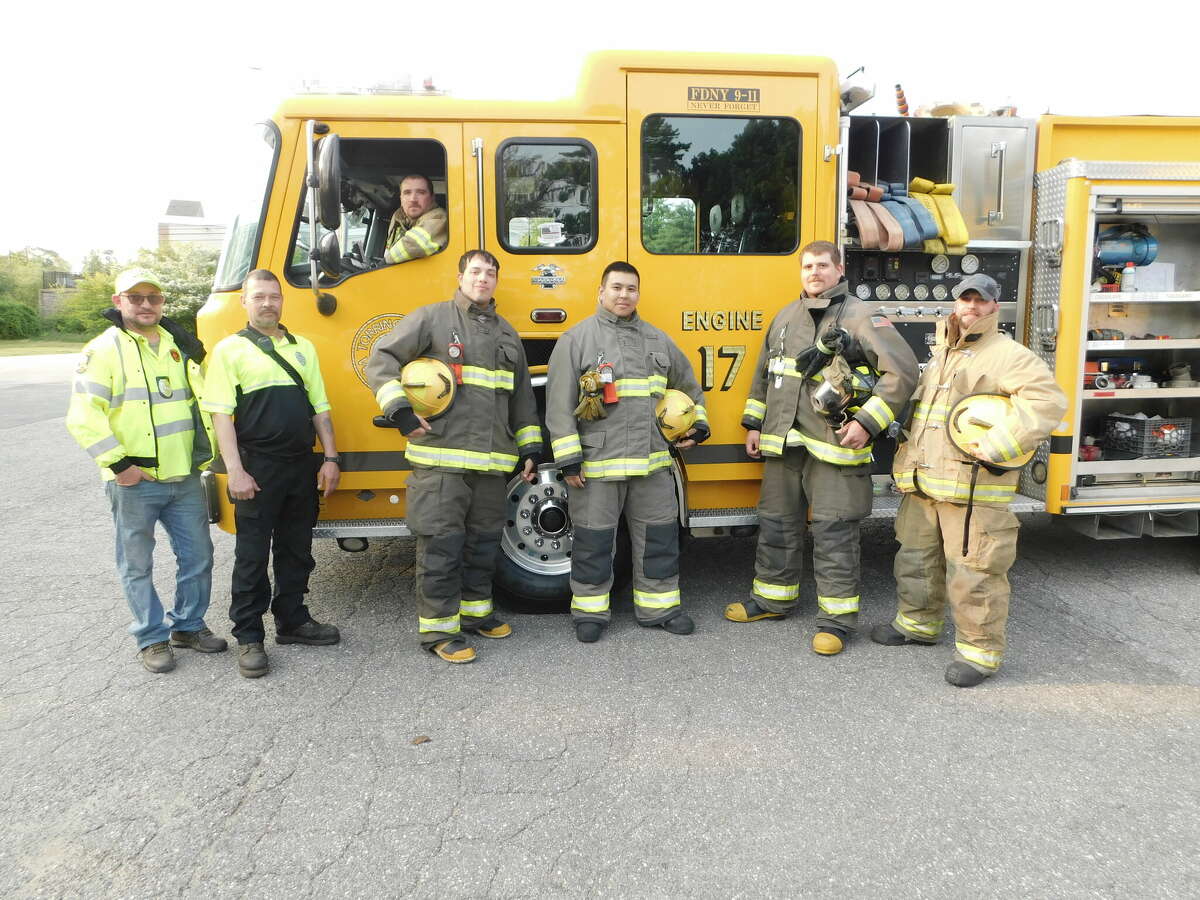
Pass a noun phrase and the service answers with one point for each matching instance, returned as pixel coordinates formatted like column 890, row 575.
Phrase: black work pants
column 277, row 522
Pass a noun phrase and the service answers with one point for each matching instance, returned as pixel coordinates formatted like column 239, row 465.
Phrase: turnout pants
column 457, row 518
column 275, row 526
column 651, row 512
column 931, row 569
column 839, row 497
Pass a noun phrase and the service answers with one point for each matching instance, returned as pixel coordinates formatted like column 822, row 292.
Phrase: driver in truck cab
column 418, row 226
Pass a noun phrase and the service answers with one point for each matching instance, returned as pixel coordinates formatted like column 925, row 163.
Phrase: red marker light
column 548, row 316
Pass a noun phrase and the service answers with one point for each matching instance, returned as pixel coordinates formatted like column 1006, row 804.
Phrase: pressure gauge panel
column 902, row 292
column 921, row 292
column 863, row 292
column 940, row 292
column 940, row 264
column 969, row 264
column 882, row 292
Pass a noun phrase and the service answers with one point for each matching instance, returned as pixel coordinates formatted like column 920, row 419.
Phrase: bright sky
column 113, row 109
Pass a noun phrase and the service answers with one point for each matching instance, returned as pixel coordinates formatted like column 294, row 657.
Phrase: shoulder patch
column 84, row 359
column 881, row 322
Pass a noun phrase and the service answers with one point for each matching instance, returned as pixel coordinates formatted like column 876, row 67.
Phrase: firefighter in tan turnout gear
column 418, row 226
column 831, row 378
column 461, row 460
column 607, row 376
column 957, row 536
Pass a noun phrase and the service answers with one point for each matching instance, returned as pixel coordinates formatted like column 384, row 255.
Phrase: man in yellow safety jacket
column 134, row 409
column 418, row 226
column 957, row 536
column 816, row 461
column 455, row 495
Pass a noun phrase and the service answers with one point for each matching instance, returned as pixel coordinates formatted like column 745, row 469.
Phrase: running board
column 367, row 528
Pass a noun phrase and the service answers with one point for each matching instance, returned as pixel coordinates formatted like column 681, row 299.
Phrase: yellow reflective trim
column 912, row 626
column 701, row 414
column 487, row 378
column 601, row 468
column 754, row 409
column 838, row 606
column 989, row 659
column 663, row 600
column 568, row 443
column 397, row 252
column 530, row 434
column 879, row 411
column 423, row 238
column 477, row 609
column 449, row 624
column 452, row 458
column 904, row 481
column 950, row 489
column 773, row 445
column 1000, row 445
column 389, row 392
column 776, row 591
column 595, row 604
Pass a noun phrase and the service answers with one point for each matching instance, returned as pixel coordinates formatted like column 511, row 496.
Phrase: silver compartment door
column 991, row 162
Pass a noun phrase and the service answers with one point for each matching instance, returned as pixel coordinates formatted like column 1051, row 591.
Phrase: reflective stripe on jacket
column 646, row 362
column 131, row 403
column 493, row 419
column 780, row 402
column 982, row 359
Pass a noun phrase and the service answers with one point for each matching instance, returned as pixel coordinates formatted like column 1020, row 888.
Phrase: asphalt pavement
column 729, row 763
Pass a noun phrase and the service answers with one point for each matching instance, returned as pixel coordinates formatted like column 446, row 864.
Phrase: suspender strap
column 267, row 346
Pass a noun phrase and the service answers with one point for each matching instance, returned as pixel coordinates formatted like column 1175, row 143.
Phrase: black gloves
column 813, row 359
column 537, row 461
column 573, row 468
column 405, row 419
column 702, row 433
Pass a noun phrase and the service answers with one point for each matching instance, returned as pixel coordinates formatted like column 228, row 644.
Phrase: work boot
column 829, row 641
column 588, row 632
column 312, row 632
column 491, row 627
column 252, row 660
column 887, row 635
column 455, row 650
column 680, row 624
column 749, row 611
column 961, row 674
column 157, row 658
column 203, row 640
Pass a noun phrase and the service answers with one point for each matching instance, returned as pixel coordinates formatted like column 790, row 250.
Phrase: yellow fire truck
column 709, row 173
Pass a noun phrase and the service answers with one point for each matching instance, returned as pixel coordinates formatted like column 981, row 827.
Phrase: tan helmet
column 975, row 416
column 675, row 414
column 428, row 384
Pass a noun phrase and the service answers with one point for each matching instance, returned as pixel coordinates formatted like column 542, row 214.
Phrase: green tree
column 670, row 227
column 21, row 274
column 98, row 261
column 81, row 312
column 187, row 272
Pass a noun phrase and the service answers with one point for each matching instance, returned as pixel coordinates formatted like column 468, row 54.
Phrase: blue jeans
column 181, row 508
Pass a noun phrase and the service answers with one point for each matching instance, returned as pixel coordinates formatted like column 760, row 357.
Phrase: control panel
column 920, row 283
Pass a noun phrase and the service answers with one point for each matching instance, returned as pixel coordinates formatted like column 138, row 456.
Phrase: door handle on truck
column 999, row 149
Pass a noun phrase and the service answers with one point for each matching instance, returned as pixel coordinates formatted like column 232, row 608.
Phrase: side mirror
column 329, row 182
column 330, row 254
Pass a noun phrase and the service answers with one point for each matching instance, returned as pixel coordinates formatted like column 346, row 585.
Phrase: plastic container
column 1128, row 278
column 1148, row 438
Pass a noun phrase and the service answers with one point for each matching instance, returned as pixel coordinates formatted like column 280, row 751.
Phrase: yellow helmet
column 986, row 420
column 428, row 384
column 675, row 414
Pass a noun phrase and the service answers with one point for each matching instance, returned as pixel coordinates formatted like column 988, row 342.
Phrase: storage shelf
column 1145, row 297
column 1119, row 466
column 1169, row 344
column 1141, row 393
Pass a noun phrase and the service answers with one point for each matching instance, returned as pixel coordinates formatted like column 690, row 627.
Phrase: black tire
column 522, row 591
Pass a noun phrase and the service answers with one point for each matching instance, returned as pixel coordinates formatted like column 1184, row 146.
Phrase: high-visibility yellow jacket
column 780, row 401
column 981, row 359
column 493, row 419
column 131, row 405
column 411, row 240
column 646, row 362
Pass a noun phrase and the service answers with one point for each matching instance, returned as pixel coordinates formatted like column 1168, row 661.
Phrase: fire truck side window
column 546, row 195
column 720, row 184
column 372, row 170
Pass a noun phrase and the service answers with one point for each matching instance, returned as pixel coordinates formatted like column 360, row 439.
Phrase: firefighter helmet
column 976, row 418
column 675, row 414
column 428, row 384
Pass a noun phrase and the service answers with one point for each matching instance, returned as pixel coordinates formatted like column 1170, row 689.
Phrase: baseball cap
column 984, row 284
column 133, row 277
